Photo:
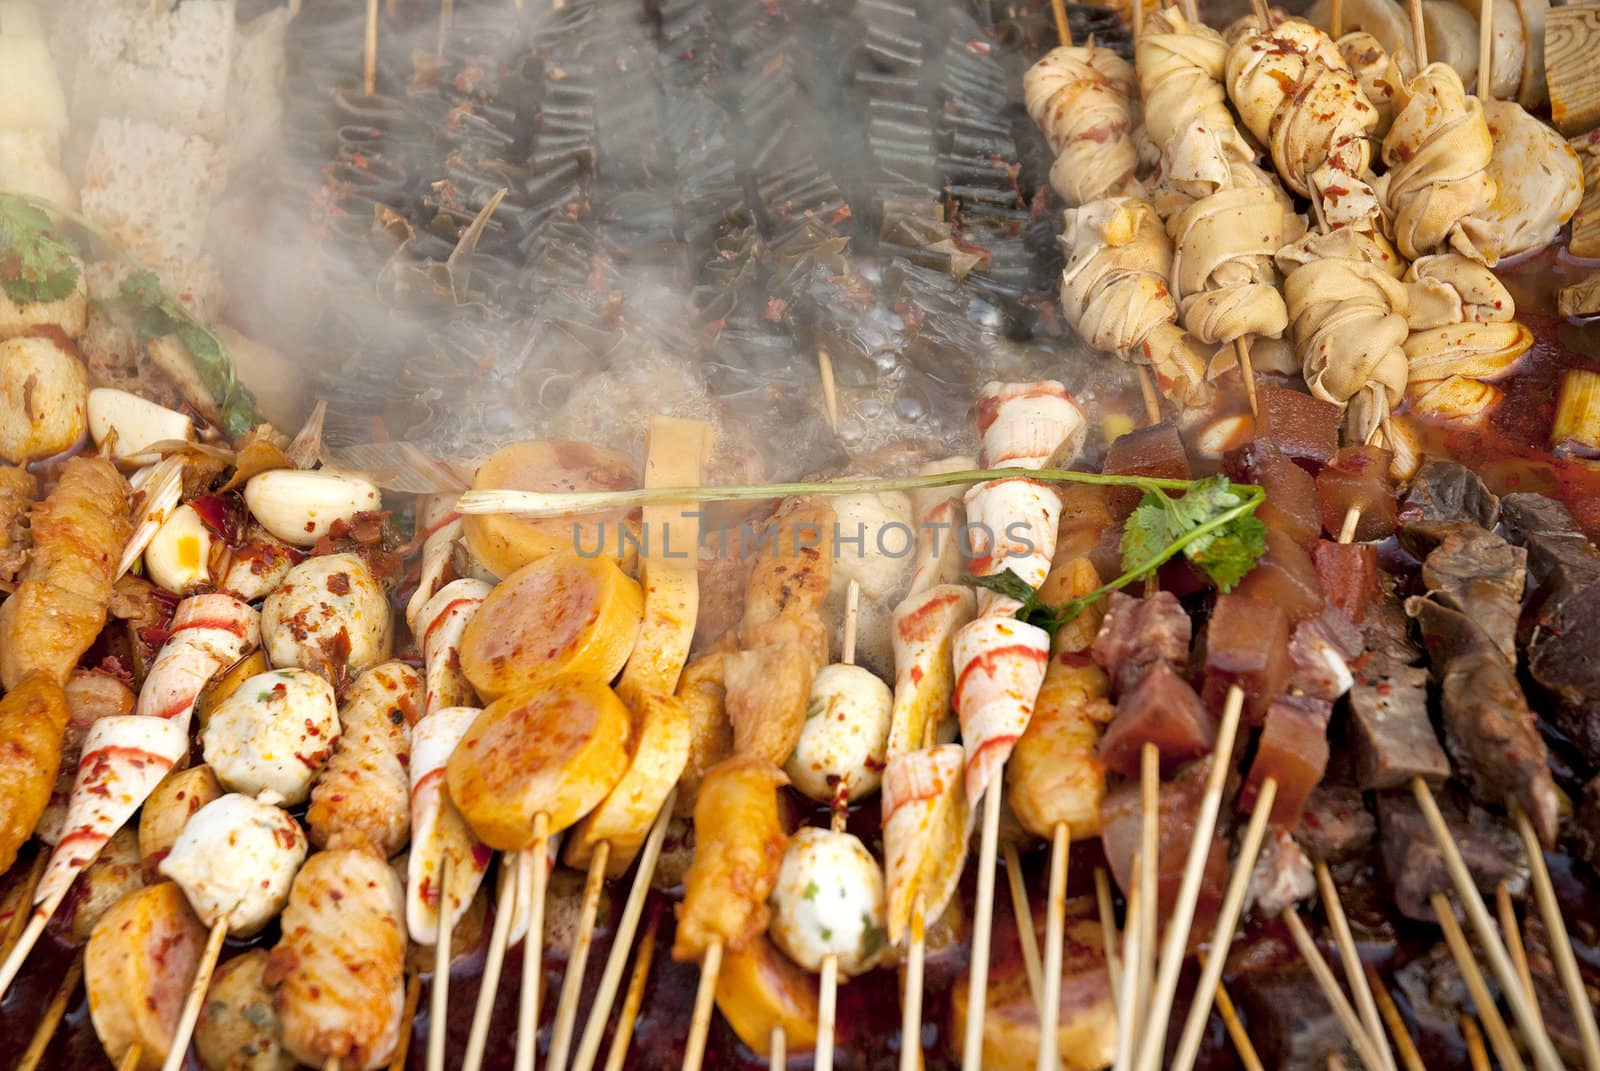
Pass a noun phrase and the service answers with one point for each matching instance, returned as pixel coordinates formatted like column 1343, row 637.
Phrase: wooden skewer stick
column 408, row 1018
column 1477, row 1056
column 982, row 927
column 1505, row 1050
column 827, row 1013
column 1230, row 1020
column 1330, row 989
column 533, row 949
column 622, row 939
column 1147, row 384
column 1175, row 943
column 1262, row 12
column 1222, row 933
column 618, row 1053
column 1025, row 935
column 1354, row 976
column 19, row 915
column 1108, row 931
column 1336, row 19
column 911, row 1005
column 190, row 1015
column 52, row 1016
column 1513, row 939
column 331, row 1064
column 1128, row 991
column 1063, row 28
column 1149, row 833
column 830, row 395
column 369, row 79
column 439, row 996
column 705, row 1002
column 1544, row 1053
column 1419, row 36
column 294, row 8
column 1055, row 936
column 1410, row 1058
column 1560, row 943
column 578, row 958
column 1485, row 46
column 1247, row 371
column 38, row 919
column 130, row 1058
column 778, row 1050
column 506, row 909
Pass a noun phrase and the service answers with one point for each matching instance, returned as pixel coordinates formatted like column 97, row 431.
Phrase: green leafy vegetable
column 1212, row 524
column 157, row 313
column 35, row 264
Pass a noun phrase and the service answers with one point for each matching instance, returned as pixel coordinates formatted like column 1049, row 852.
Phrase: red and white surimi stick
column 124, row 758
column 1000, row 664
column 436, row 552
column 437, row 829
column 441, row 624
column 208, row 634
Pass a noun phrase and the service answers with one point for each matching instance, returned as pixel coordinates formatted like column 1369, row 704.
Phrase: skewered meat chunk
column 1137, row 634
column 1115, row 292
column 759, row 989
column 1247, row 643
column 783, row 639
column 1437, row 152
column 1348, row 576
column 1285, row 578
column 363, row 795
column 562, row 613
column 1302, row 426
column 739, row 846
column 59, row 605
column 33, row 717
column 1335, row 824
column 1282, row 876
column 1391, row 733
column 1155, row 450
column 1293, row 750
column 1291, row 507
column 828, row 900
column 1415, row 864
column 554, row 749
column 925, row 825
column 1358, row 478
column 1162, row 709
column 328, row 616
column 235, row 861
column 1321, row 649
column 338, row 971
column 1445, row 490
column 1081, row 99
column 271, row 738
column 17, row 489
column 136, row 969
column 1474, row 571
column 238, row 1029
column 1180, row 802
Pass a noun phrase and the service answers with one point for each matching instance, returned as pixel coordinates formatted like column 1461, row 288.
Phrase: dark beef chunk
column 1561, row 559
column 1161, row 708
column 1138, row 633
column 1432, row 987
column 1488, row 726
column 1290, row 1021
column 1554, row 1007
column 1180, row 798
column 1386, row 631
column 1584, row 833
column 1415, row 865
column 1444, row 490
column 1335, row 824
column 1391, row 734
column 1472, row 570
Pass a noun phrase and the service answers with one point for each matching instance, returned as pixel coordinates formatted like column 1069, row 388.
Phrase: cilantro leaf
column 35, row 265
column 1033, row 610
column 1223, row 548
column 1232, row 552
column 1006, row 583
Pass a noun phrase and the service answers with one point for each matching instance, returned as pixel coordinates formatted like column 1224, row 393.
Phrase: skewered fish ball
column 329, row 616
column 829, row 902
column 235, row 861
column 846, row 733
column 271, row 737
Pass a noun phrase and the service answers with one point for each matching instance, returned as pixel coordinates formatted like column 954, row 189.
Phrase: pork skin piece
column 1156, row 451
column 1561, row 620
column 1138, row 633
column 1348, row 574
column 1321, row 649
column 1293, row 750
column 1335, row 824
column 1415, row 865
column 1358, row 478
column 1180, row 802
column 1247, row 643
column 1301, row 426
column 1391, row 733
column 1292, row 506
column 1161, row 709
column 1445, row 490
column 1284, row 577
column 1472, row 570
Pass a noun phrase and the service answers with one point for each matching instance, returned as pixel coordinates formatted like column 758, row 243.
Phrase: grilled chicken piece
column 704, row 698
column 137, row 968
column 17, row 489
column 59, row 606
column 363, row 798
column 739, row 845
column 33, row 717
column 338, row 971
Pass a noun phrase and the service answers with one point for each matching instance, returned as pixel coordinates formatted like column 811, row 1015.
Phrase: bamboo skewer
column 827, row 1013
column 1419, row 36
column 911, row 1005
column 1410, row 1058
column 506, row 908
column 369, row 78
column 1336, row 19
column 1147, row 385
column 1128, row 991
column 1063, row 28
column 1149, row 832
column 1504, row 1049
column 190, row 1015
column 1023, row 911
column 1354, row 976
column 130, row 1058
column 982, row 926
column 1560, row 943
column 1330, row 988
column 1485, row 46
column 19, row 916
column 1230, row 1021
column 778, row 1050
column 1055, row 927
column 408, row 1018
column 533, row 948
column 1108, row 931
column 578, row 958
column 830, row 394
column 1544, row 1054
column 622, row 939
column 38, row 919
column 694, row 1051
column 52, row 1016
column 1247, row 371
column 1477, row 1057
column 1222, row 933
column 1176, row 940
column 617, row 1055
column 1513, row 939
column 439, row 996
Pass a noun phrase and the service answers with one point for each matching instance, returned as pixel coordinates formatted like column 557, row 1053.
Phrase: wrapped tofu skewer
column 1081, row 98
